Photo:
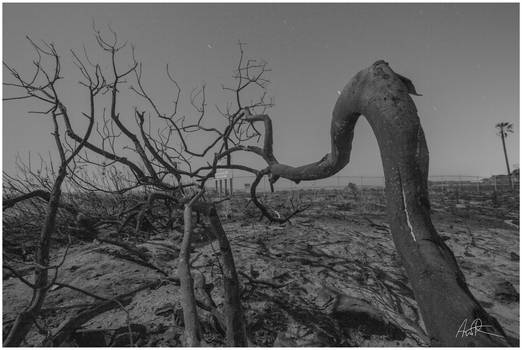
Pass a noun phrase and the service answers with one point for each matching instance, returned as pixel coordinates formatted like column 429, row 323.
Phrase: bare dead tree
column 157, row 160
column 42, row 87
column 162, row 164
column 382, row 96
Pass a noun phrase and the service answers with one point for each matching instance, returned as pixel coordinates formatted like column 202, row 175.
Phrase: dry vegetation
column 329, row 277
column 119, row 242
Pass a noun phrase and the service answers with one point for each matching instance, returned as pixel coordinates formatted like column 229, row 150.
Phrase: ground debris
column 329, row 277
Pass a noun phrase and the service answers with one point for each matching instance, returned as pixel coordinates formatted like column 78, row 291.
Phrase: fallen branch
column 45, row 195
column 73, row 323
column 139, row 261
column 128, row 247
column 20, row 274
column 266, row 283
column 8, row 203
column 373, row 224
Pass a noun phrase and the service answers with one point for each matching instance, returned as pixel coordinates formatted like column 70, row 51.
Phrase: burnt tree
column 42, row 88
column 154, row 160
column 383, row 97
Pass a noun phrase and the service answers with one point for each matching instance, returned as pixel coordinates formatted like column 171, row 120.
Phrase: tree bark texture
column 234, row 317
column 188, row 300
column 383, row 97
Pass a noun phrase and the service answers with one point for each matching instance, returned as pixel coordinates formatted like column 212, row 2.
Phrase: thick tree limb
column 10, row 202
column 234, row 318
column 188, row 300
column 45, row 195
column 444, row 298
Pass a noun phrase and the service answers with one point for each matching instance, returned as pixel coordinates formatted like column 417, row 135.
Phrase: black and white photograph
column 241, row 174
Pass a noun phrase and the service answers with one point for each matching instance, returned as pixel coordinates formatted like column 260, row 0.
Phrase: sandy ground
column 293, row 277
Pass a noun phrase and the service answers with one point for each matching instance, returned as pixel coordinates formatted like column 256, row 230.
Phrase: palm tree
column 505, row 128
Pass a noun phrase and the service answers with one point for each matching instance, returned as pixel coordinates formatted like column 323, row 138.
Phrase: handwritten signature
column 475, row 327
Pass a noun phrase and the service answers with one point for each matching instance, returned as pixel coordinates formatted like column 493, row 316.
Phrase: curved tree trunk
column 442, row 294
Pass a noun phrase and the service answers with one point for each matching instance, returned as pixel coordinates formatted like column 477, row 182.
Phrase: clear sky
column 463, row 58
